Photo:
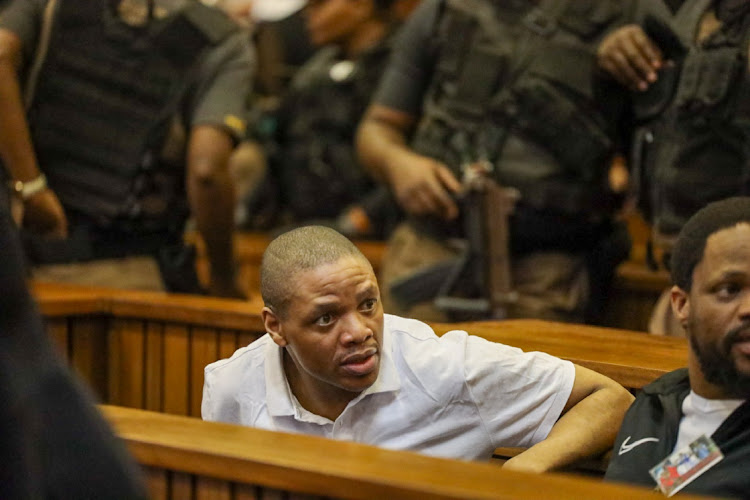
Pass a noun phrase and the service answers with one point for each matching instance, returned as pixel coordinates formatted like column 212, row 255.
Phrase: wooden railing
column 186, row 458
column 148, row 350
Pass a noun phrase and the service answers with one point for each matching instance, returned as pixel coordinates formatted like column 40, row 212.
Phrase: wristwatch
column 26, row 190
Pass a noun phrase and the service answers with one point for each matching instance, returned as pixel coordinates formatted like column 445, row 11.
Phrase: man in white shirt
column 334, row 365
column 707, row 401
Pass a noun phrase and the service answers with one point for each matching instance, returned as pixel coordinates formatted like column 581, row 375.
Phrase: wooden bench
column 148, row 350
column 188, row 458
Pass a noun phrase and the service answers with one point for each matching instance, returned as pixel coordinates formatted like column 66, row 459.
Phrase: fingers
column 629, row 55
column 425, row 188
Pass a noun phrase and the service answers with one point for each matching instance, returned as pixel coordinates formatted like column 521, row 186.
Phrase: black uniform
column 656, row 413
column 692, row 140
column 314, row 161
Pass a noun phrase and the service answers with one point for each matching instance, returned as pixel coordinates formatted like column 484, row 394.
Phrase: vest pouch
column 483, row 69
column 548, row 117
column 587, row 18
column 707, row 78
column 431, row 139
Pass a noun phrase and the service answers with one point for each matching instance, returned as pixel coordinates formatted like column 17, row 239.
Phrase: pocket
column 589, row 18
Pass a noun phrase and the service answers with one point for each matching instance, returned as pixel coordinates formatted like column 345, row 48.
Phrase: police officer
column 686, row 64
column 511, row 85
column 119, row 96
column 312, row 157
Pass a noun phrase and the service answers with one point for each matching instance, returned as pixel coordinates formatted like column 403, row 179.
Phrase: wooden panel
column 212, row 489
column 60, row 333
column 204, row 350
column 126, row 363
column 154, row 366
column 157, row 481
column 228, row 343
column 246, row 492
column 308, row 465
column 89, row 354
column 182, row 486
column 176, row 388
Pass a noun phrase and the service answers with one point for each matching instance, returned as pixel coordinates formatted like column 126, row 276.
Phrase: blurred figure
column 313, row 169
column 132, row 111
column 54, row 443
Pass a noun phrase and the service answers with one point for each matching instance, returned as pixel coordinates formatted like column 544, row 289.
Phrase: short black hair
column 691, row 242
column 298, row 250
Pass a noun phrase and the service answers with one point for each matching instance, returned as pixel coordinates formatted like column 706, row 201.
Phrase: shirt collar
column 280, row 400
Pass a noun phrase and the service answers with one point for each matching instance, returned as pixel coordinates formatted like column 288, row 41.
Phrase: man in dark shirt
column 711, row 398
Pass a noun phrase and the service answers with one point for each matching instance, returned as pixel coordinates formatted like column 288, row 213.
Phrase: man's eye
column 324, row 320
column 727, row 290
column 369, row 304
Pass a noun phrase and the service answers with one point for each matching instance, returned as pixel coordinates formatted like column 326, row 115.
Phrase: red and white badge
column 684, row 465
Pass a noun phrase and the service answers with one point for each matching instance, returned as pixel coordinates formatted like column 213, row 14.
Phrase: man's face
column 335, row 21
column 716, row 312
column 333, row 329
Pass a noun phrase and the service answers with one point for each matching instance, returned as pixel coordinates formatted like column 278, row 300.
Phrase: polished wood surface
column 148, row 350
column 204, row 460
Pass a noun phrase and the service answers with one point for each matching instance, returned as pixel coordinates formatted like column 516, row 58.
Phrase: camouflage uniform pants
column 551, row 285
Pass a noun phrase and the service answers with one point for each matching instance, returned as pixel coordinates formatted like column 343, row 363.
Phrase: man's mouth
column 362, row 362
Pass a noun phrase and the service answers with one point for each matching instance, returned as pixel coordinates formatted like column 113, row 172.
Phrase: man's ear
column 272, row 323
column 680, row 304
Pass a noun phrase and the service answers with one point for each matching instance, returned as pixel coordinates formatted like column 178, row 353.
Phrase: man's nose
column 744, row 308
column 356, row 330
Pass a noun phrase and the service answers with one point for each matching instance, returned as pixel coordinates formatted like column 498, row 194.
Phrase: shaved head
column 299, row 250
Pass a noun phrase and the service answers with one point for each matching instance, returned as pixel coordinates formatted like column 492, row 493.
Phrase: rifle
column 476, row 284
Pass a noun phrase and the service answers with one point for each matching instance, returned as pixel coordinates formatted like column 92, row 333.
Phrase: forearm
column 587, row 429
column 381, row 145
column 16, row 148
column 211, row 196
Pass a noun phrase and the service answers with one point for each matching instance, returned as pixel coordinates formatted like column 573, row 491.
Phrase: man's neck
column 701, row 386
column 325, row 403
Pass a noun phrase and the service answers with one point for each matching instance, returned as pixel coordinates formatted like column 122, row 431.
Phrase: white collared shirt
column 455, row 396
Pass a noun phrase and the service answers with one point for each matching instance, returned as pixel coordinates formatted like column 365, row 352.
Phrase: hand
column 424, row 186
column 44, row 214
column 631, row 57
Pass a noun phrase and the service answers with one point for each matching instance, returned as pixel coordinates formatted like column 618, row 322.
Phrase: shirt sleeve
column 519, row 395
column 24, row 18
column 410, row 68
column 222, row 94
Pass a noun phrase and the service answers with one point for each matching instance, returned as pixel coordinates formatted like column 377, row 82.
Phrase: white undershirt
column 702, row 416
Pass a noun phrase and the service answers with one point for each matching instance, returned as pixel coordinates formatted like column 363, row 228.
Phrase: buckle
column 539, row 23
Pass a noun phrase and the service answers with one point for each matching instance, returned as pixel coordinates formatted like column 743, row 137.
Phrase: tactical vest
column 692, row 142
column 105, row 97
column 320, row 174
column 514, row 85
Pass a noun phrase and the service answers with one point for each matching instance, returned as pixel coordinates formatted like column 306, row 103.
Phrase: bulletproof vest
column 514, row 84
column 105, row 97
column 692, row 141
column 318, row 168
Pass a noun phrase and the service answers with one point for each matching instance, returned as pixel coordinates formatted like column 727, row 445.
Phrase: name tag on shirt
column 684, row 465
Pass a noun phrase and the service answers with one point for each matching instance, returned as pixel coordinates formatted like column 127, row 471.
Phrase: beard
column 717, row 364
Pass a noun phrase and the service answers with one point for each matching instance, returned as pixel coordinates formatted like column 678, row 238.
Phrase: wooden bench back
column 188, row 458
column 148, row 350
